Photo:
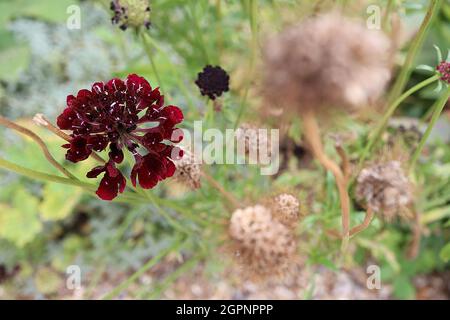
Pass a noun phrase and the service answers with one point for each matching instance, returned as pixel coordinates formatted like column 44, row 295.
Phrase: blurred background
column 45, row 227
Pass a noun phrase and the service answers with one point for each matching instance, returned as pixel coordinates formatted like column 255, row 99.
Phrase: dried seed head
column 326, row 61
column 385, row 189
column 188, row 170
column 131, row 13
column 252, row 139
column 285, row 208
column 264, row 246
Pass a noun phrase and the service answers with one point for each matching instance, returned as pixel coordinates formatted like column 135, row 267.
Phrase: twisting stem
column 345, row 161
column 228, row 196
column 382, row 125
column 364, row 224
column 437, row 110
column 11, row 125
column 41, row 120
column 312, row 136
column 416, row 44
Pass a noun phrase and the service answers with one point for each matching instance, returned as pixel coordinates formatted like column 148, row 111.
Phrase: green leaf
column 59, row 201
column 445, row 253
column 20, row 223
column 403, row 288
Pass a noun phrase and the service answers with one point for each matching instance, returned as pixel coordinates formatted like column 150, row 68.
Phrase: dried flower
column 326, row 61
column 444, row 69
column 213, row 81
column 265, row 246
column 285, row 209
column 188, row 170
column 110, row 115
column 252, row 139
column 131, row 13
column 385, row 189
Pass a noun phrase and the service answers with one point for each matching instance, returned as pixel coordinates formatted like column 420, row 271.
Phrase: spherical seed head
column 385, row 189
column 131, row 13
column 285, row 209
column 188, row 170
column 252, row 139
column 444, row 69
column 213, row 81
column 265, row 246
column 326, row 61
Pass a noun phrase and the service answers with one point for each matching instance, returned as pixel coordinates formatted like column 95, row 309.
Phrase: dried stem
column 228, row 196
column 11, row 125
column 40, row 120
column 417, row 235
column 367, row 219
column 345, row 165
column 312, row 135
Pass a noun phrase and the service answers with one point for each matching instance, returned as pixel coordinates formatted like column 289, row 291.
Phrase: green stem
column 152, row 262
column 376, row 136
column 198, row 32
column 387, row 15
column 416, row 44
column 253, row 6
column 437, row 110
column 41, row 176
column 148, row 51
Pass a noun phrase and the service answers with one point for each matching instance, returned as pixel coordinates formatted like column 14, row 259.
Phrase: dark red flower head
column 123, row 115
column 213, row 81
column 444, row 69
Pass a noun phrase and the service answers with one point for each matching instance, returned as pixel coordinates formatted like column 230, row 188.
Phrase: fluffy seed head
column 264, row 245
column 285, row 209
column 326, row 61
column 385, row 189
column 252, row 139
column 188, row 170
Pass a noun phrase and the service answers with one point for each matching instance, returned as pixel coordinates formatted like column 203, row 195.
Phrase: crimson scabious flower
column 122, row 115
column 444, row 69
column 213, row 81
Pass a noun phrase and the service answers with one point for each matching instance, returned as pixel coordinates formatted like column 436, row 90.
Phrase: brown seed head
column 385, row 189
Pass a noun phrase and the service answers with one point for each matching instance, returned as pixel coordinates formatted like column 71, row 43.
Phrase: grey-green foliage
column 62, row 62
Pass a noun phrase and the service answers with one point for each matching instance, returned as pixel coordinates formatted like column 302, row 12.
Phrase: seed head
column 131, row 13
column 188, row 170
column 264, row 245
column 385, row 189
column 326, row 61
column 285, row 209
column 252, row 139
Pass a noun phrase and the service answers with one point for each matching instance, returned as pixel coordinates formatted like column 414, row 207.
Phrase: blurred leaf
column 20, row 223
column 445, row 253
column 46, row 280
column 403, row 288
column 59, row 201
column 14, row 61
